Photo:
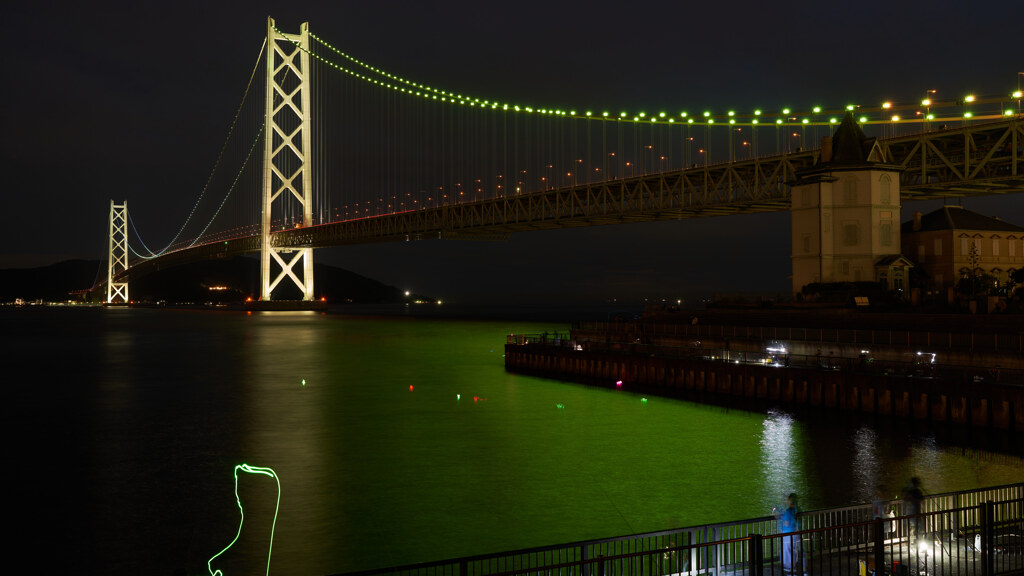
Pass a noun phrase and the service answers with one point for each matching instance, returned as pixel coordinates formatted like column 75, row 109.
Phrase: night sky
column 131, row 101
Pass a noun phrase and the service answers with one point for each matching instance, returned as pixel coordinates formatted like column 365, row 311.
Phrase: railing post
column 584, row 556
column 755, row 555
column 986, row 520
column 464, row 568
column 879, row 546
column 716, row 550
column 600, row 565
column 956, row 513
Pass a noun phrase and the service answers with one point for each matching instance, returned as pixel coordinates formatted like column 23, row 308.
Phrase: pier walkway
column 969, row 533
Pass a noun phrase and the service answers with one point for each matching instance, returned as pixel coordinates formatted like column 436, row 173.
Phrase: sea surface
column 384, row 440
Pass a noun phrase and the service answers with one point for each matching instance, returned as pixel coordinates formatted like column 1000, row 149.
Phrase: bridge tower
column 287, row 156
column 117, row 254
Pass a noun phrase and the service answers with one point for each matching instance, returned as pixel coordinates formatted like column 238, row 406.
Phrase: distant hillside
column 239, row 277
column 52, row 283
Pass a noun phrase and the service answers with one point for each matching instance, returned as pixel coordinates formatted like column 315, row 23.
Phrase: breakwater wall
column 979, row 404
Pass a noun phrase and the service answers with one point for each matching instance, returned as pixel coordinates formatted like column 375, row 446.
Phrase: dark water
column 407, row 442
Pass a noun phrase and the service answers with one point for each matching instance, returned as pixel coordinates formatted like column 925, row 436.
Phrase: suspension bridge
column 340, row 152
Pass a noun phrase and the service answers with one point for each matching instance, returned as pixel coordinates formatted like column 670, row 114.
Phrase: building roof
column 894, row 259
column 849, row 144
column 958, row 218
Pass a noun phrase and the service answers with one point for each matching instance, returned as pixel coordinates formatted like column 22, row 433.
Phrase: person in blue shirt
column 790, row 544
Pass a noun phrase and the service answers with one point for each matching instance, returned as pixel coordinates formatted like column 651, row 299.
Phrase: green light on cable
column 251, row 470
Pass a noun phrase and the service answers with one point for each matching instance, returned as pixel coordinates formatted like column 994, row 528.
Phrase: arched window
column 885, row 189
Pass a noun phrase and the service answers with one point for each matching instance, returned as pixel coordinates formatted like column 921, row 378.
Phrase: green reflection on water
column 411, row 443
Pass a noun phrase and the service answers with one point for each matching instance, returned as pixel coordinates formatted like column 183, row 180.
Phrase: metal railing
column 963, row 533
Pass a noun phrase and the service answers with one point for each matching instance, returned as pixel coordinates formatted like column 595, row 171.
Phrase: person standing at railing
column 788, row 524
column 882, row 510
column 913, row 497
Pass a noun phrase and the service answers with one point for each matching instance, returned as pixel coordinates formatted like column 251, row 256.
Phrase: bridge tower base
column 117, row 255
column 287, row 160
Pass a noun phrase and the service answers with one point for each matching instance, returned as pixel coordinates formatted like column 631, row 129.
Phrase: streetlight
column 927, row 103
column 732, row 133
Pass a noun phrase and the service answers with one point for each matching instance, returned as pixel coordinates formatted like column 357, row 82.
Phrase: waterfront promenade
column 976, row 532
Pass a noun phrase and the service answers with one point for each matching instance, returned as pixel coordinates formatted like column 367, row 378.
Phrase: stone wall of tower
column 843, row 222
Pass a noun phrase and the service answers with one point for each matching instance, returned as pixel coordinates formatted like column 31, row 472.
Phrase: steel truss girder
column 971, row 160
column 992, row 164
column 117, row 254
column 297, row 101
column 934, row 164
column 758, row 185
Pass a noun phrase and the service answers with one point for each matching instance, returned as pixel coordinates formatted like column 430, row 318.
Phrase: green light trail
column 241, row 515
